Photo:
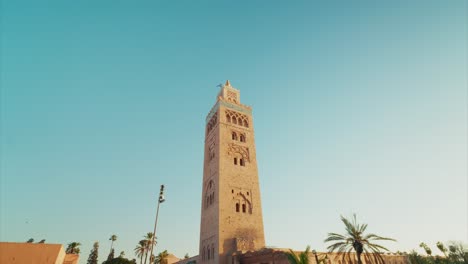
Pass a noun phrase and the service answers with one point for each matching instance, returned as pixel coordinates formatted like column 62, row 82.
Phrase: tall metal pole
column 160, row 200
column 316, row 258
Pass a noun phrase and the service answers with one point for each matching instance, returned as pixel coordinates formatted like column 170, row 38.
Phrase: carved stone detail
column 234, row 149
column 245, row 244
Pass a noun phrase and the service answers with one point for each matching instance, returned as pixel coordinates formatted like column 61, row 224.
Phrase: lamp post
column 160, row 200
column 315, row 254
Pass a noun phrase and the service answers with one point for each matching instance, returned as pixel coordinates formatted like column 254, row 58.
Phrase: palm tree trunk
column 146, row 256
column 141, row 259
column 359, row 258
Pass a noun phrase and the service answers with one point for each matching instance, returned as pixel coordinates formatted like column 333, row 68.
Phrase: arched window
column 208, row 252
column 228, row 118
column 237, row 207
column 234, row 136
column 246, row 124
column 234, row 120
column 242, row 138
column 212, row 251
column 235, row 161
column 242, row 163
column 243, row 208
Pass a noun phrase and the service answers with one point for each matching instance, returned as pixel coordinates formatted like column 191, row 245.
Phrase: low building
column 21, row 253
column 278, row 256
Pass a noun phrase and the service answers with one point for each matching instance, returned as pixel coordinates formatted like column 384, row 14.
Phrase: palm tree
column 162, row 257
column 73, row 248
column 426, row 248
column 303, row 257
column 149, row 240
column 112, row 239
column 356, row 240
column 140, row 250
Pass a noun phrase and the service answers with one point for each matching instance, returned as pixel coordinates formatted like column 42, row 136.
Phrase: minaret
column 231, row 214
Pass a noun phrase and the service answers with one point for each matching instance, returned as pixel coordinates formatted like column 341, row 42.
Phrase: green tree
column 93, row 256
column 356, row 240
column 140, row 250
column 111, row 255
column 73, row 248
column 458, row 252
column 119, row 261
column 415, row 258
column 303, row 257
column 442, row 248
column 122, row 254
column 426, row 248
column 161, row 258
column 149, row 240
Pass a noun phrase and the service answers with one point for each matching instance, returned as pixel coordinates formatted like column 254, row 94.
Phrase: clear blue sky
column 359, row 106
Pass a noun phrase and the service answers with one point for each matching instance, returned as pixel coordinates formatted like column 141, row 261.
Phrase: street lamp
column 160, row 200
column 315, row 254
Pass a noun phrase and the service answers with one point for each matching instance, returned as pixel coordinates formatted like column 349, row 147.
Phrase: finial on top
column 227, row 83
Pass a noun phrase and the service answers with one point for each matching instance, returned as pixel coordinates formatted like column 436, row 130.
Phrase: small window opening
column 228, row 118
column 234, row 136
column 246, row 124
column 232, row 191
column 235, row 161
column 234, row 121
column 237, row 207
column 243, row 208
column 208, row 253
column 242, row 138
column 212, row 251
column 242, row 163
column 247, row 193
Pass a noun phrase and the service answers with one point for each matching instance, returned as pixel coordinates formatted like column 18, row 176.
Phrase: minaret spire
column 227, row 83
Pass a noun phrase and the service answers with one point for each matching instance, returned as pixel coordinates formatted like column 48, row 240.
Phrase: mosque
column 231, row 229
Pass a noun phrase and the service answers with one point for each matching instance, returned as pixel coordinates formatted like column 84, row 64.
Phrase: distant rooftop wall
column 191, row 260
column 21, row 253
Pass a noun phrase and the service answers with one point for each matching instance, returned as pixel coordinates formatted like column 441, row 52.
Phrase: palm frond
column 376, row 237
column 292, row 257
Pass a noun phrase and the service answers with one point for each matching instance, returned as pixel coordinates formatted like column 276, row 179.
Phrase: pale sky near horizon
column 359, row 107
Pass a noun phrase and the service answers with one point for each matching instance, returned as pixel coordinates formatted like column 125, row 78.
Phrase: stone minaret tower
column 231, row 214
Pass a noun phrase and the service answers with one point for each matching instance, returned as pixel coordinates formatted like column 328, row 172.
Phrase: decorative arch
column 237, row 118
column 234, row 135
column 243, row 203
column 212, row 123
column 242, row 138
column 238, row 151
column 209, row 193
